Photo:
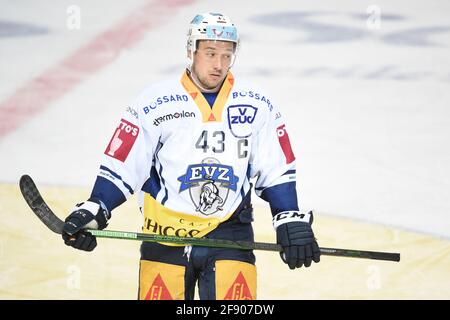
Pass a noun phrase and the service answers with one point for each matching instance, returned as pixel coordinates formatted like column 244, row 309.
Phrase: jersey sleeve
column 272, row 163
column 127, row 159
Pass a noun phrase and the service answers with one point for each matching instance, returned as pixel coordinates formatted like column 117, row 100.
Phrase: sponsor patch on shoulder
column 122, row 141
column 285, row 144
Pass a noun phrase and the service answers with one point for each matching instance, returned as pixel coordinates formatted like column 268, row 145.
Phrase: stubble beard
column 203, row 81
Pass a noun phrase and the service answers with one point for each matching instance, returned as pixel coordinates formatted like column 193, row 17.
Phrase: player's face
column 212, row 61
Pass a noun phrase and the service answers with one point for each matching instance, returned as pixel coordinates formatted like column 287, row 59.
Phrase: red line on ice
column 37, row 94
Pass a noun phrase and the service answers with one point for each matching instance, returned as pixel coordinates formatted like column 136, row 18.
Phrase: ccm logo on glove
column 123, row 140
column 290, row 216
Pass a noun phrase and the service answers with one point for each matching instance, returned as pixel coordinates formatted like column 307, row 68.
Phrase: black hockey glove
column 295, row 235
column 91, row 214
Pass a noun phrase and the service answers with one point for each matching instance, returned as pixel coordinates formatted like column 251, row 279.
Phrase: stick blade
column 37, row 204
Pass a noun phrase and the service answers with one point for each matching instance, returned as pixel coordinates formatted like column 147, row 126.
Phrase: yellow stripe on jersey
column 209, row 114
column 161, row 220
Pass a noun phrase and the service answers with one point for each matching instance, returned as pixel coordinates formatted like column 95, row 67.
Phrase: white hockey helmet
column 211, row 26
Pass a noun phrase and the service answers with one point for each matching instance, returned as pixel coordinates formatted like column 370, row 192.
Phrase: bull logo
column 209, row 196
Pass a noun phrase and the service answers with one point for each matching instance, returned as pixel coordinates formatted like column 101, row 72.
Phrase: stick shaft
column 206, row 242
column 243, row 245
column 47, row 216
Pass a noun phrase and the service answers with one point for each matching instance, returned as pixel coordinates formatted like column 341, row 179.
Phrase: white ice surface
column 367, row 110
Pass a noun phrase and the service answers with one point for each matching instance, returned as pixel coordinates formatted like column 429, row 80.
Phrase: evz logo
column 240, row 118
column 209, row 183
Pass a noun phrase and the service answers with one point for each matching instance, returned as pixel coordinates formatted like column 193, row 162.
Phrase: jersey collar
column 209, row 114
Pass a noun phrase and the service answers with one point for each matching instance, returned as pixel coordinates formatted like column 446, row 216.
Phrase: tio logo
column 285, row 144
column 123, row 140
column 128, row 127
column 281, row 131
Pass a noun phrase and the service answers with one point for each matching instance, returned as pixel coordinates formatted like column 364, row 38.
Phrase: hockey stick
column 37, row 204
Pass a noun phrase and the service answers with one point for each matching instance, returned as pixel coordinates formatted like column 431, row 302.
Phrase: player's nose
column 217, row 64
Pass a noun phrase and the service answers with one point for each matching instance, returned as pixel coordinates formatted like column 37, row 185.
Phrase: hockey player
column 190, row 147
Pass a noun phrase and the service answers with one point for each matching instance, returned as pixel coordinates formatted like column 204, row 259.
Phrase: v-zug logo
column 241, row 114
column 209, row 183
column 240, row 118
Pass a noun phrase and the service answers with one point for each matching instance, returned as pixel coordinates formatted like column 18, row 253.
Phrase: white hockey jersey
column 192, row 163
